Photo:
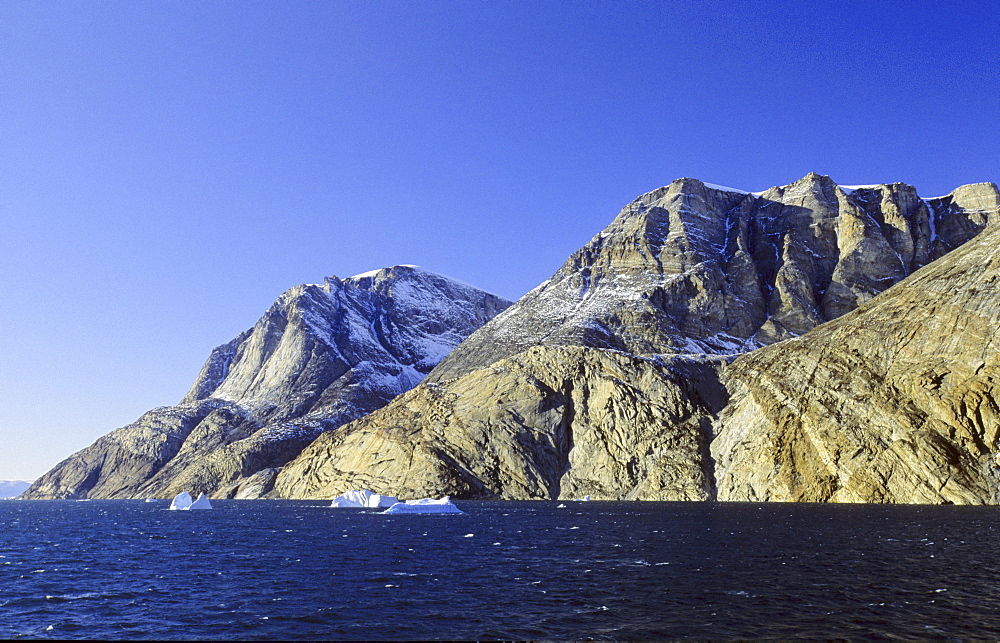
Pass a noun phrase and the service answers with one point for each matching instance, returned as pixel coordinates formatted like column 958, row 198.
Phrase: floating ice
column 363, row 498
column 424, row 506
column 583, row 499
column 202, row 502
column 183, row 502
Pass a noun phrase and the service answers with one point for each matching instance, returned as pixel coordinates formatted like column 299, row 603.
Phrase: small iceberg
column 363, row 498
column 424, row 506
column 202, row 502
column 583, row 499
column 184, row 502
column 150, row 499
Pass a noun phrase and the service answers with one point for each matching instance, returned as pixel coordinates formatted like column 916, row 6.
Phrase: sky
column 168, row 169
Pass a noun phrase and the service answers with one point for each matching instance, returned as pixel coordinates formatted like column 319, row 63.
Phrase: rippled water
column 297, row 569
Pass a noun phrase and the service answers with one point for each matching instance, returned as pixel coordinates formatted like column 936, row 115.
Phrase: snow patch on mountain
column 724, row 188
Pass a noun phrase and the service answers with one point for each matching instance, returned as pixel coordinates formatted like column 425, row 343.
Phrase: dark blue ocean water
column 299, row 570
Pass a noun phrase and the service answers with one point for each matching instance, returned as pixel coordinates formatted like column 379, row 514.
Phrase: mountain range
column 12, row 488
column 811, row 342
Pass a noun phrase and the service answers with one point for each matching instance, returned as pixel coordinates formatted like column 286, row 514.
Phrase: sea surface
column 115, row 569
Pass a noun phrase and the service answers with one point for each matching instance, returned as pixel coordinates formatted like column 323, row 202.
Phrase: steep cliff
column 550, row 422
column 894, row 402
column 320, row 357
column 810, row 342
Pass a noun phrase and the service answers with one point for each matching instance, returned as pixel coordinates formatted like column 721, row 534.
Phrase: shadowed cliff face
column 578, row 388
column 320, row 357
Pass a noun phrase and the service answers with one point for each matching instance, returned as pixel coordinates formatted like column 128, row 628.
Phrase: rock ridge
column 811, row 342
column 896, row 401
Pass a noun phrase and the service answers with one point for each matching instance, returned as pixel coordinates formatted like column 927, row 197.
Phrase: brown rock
column 547, row 423
column 893, row 402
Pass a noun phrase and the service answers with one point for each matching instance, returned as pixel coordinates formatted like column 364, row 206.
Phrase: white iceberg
column 424, row 506
column 201, row 503
column 583, row 499
column 363, row 498
column 183, row 502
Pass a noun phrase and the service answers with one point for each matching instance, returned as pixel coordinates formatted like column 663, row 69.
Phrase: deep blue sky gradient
column 167, row 169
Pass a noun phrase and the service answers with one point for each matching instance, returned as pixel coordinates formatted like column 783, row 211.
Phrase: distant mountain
column 321, row 356
column 12, row 488
column 613, row 377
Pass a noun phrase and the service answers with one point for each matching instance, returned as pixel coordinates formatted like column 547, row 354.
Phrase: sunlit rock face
column 601, row 382
column 549, row 422
column 812, row 342
column 896, row 401
column 321, row 356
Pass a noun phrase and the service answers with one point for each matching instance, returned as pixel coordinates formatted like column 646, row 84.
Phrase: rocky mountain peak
column 696, row 268
column 400, row 320
column 321, row 355
column 632, row 373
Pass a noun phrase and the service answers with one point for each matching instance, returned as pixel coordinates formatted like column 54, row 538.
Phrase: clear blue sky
column 167, row 169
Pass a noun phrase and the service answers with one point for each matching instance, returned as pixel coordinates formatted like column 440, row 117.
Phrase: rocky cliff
column 811, row 342
column 599, row 381
column 321, row 356
column 549, row 422
column 894, row 402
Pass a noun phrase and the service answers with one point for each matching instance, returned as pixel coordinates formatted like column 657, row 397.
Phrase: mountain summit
column 321, row 356
column 809, row 342
column 696, row 268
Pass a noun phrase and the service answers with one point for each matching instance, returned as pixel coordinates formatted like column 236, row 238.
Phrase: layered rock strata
column 547, row 423
column 896, row 401
column 812, row 342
